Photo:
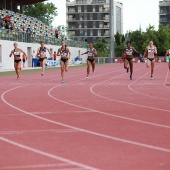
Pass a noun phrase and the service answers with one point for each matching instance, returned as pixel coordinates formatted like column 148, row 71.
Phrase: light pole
column 111, row 31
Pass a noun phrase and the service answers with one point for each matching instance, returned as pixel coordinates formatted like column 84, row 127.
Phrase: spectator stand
column 24, row 28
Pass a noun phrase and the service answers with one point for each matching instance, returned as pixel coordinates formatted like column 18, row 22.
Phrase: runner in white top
column 65, row 54
column 17, row 58
column 150, row 51
column 168, row 54
column 42, row 55
column 91, row 52
column 128, row 53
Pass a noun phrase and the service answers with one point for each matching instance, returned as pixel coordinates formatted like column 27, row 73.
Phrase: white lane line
column 128, row 103
column 137, row 92
column 35, row 166
column 46, row 154
column 41, row 113
column 37, row 131
column 88, row 131
column 166, row 79
column 109, row 114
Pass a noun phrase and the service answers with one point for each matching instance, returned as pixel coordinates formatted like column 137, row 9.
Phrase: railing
column 31, row 38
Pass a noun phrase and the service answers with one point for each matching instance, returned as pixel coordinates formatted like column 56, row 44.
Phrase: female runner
column 65, row 54
column 150, row 50
column 17, row 58
column 42, row 56
column 129, row 50
column 91, row 52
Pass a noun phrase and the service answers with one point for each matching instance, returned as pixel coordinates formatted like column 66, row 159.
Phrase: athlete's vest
column 129, row 51
column 42, row 50
column 63, row 52
column 90, row 52
column 151, row 51
column 16, row 53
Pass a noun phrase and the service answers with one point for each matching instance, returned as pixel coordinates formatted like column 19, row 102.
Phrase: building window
column 81, row 1
column 85, row 24
column 100, row 8
column 99, row 33
column 94, row 24
column 71, row 10
column 71, row 33
column 81, row 17
column 85, row 8
column 85, row 16
column 98, row 1
column 100, row 24
column 99, row 16
column 94, row 8
column 91, row 16
column 85, row 32
column 91, row 32
column 81, row 32
column 79, row 8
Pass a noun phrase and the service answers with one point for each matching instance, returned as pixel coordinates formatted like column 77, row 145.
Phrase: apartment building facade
column 90, row 19
column 164, row 12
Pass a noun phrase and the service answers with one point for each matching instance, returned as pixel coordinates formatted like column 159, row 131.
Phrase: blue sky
column 136, row 13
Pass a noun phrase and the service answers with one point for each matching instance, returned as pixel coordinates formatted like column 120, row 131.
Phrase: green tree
column 45, row 12
column 118, row 49
column 150, row 35
column 137, row 39
column 117, row 38
column 163, row 34
column 102, row 47
column 123, row 39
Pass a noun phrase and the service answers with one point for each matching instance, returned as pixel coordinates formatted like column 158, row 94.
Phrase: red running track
column 105, row 122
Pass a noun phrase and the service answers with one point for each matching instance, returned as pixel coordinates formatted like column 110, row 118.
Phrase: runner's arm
column 23, row 53
column 38, row 52
column 84, row 53
column 94, row 51
column 155, row 50
column 136, row 51
column 49, row 51
column 11, row 53
column 144, row 54
column 69, row 52
column 123, row 51
column 58, row 52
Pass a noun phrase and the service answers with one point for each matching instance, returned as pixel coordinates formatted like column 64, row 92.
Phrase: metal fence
column 32, row 38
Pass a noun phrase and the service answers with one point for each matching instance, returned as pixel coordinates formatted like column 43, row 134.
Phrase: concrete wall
column 7, row 46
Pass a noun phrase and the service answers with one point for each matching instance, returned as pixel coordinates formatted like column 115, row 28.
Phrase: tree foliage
column 140, row 39
column 102, row 47
column 45, row 12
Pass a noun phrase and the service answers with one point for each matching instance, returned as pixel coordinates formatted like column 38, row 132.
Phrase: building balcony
column 106, row 34
column 106, row 26
column 87, row 28
column 71, row 11
column 71, row 19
